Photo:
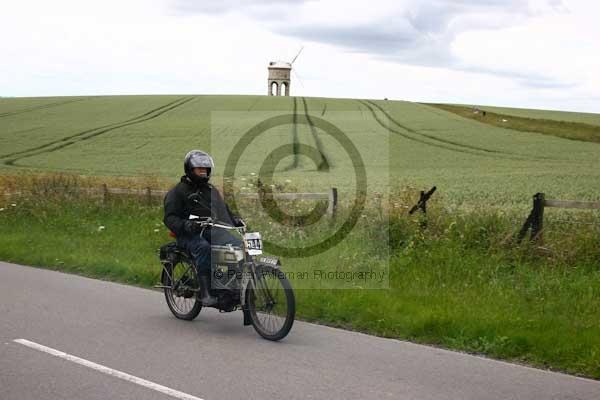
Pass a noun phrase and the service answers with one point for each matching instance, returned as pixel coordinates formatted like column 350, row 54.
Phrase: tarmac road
column 88, row 339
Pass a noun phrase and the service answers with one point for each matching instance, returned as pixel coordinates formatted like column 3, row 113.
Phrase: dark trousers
column 199, row 245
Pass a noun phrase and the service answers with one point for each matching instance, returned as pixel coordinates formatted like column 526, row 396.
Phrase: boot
column 246, row 312
column 206, row 298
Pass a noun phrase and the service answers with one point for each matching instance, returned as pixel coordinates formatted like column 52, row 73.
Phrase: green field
column 401, row 143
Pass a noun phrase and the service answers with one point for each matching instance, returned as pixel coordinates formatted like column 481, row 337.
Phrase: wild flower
column 101, row 228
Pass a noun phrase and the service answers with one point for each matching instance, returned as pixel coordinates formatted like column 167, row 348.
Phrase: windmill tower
column 279, row 77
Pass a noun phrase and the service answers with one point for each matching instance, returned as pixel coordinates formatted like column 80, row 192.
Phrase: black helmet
column 195, row 159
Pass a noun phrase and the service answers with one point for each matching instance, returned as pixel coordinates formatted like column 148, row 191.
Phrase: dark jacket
column 178, row 205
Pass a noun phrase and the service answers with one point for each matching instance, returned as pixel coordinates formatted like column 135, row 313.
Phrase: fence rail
column 290, row 196
column 105, row 192
column 331, row 197
column 535, row 220
column 586, row 205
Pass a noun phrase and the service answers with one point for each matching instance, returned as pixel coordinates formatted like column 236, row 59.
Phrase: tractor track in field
column 446, row 144
column 92, row 133
column 418, row 140
column 44, row 106
column 82, row 133
column 254, row 103
column 295, row 142
column 324, row 164
column 435, row 138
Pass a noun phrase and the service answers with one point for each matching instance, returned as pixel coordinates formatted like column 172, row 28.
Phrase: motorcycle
column 241, row 278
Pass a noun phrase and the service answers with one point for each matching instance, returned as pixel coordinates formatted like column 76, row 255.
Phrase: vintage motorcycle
column 241, row 278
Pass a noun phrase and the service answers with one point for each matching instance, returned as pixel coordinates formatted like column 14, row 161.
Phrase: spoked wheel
column 271, row 303
column 181, row 288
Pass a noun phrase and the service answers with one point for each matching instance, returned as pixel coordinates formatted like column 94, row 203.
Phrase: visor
column 200, row 161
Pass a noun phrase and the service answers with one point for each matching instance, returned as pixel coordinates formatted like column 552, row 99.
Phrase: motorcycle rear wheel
column 180, row 283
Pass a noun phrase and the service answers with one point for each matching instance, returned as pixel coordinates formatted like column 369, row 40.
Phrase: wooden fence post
column 333, row 199
column 525, row 227
column 422, row 205
column 537, row 221
column 104, row 193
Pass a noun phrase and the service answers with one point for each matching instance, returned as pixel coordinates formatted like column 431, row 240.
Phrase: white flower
column 1, row 209
column 243, row 179
column 252, row 173
column 13, row 204
column 101, row 228
column 156, row 230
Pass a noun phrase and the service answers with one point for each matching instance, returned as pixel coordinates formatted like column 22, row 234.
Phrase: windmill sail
column 294, row 59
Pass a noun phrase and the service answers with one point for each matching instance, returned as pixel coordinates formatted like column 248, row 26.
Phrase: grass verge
column 564, row 129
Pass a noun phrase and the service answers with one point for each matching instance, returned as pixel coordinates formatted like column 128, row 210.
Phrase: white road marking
column 109, row 371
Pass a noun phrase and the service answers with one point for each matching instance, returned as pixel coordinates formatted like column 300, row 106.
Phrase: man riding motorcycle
column 194, row 197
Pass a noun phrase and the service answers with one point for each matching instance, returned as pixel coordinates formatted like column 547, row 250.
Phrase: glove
column 237, row 221
column 191, row 226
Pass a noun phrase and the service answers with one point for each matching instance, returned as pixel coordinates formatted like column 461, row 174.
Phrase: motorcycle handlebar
column 209, row 222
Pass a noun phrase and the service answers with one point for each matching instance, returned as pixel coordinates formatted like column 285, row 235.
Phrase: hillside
column 401, row 143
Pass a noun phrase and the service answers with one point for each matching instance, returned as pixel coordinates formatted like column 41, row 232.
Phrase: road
column 99, row 340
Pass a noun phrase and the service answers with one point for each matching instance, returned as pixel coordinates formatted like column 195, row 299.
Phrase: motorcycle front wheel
column 271, row 303
column 180, row 284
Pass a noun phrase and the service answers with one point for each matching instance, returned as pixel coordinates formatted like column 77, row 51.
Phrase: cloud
column 529, row 80
column 380, row 38
column 409, row 32
column 416, row 33
column 187, row 7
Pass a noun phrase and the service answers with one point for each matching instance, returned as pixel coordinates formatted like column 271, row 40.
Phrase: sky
column 533, row 54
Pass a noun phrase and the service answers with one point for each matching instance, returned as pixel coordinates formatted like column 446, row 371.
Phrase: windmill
column 279, row 76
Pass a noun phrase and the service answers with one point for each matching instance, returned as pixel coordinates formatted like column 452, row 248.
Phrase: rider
column 194, row 196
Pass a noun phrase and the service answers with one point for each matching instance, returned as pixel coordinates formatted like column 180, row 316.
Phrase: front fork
column 258, row 283
column 244, row 290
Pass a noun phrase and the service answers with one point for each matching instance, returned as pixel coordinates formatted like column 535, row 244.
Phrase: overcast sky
column 537, row 53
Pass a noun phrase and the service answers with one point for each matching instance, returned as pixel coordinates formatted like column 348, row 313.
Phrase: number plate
column 253, row 243
column 273, row 261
